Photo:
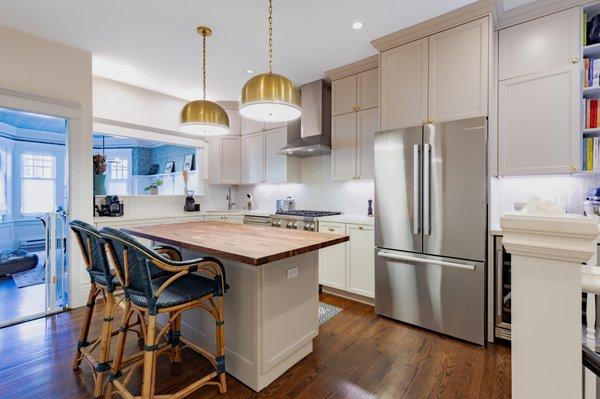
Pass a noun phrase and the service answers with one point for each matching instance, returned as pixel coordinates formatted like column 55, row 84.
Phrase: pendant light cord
column 270, row 36
column 204, row 66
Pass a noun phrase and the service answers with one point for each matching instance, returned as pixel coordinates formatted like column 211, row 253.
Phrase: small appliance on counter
column 111, row 207
column 250, row 202
column 190, row 203
column 285, row 205
column 591, row 206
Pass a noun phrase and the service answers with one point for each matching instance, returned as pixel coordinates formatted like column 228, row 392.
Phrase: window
column 38, row 183
column 3, row 205
column 118, row 163
column 119, row 168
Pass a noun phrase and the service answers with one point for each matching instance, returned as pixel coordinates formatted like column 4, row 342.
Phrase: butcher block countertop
column 254, row 245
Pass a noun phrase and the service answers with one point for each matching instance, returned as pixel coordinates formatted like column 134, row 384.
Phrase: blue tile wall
column 141, row 159
column 166, row 153
column 25, row 120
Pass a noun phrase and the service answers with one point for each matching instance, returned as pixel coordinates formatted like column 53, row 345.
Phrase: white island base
column 271, row 317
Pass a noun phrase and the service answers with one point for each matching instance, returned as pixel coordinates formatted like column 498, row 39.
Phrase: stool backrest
column 133, row 261
column 91, row 244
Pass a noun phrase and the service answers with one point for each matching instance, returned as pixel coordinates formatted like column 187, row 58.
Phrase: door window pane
column 38, row 185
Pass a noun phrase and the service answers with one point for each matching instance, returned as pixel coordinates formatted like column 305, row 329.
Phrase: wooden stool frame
column 169, row 333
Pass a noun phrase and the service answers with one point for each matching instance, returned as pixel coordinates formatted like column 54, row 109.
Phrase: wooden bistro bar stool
column 103, row 281
column 171, row 294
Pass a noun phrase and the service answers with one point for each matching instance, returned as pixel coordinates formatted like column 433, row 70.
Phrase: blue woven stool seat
column 182, row 290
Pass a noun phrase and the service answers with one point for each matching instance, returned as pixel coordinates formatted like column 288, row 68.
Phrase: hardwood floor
column 357, row 355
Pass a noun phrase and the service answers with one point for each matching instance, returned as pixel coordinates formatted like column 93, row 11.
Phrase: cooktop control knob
column 278, row 224
column 295, row 225
column 290, row 225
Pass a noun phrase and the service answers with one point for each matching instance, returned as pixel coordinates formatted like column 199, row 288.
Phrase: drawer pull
column 331, row 229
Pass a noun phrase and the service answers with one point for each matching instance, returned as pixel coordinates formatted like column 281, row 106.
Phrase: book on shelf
column 592, row 113
column 590, row 154
column 591, row 75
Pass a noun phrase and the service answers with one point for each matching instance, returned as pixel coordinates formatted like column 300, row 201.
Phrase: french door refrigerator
column 430, row 226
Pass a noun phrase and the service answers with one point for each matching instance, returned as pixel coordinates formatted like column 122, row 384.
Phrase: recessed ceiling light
column 357, row 25
column 250, row 71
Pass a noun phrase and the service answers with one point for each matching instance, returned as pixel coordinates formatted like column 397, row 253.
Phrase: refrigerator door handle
column 426, row 189
column 416, row 199
column 395, row 256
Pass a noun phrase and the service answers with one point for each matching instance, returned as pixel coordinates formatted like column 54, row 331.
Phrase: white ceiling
column 153, row 43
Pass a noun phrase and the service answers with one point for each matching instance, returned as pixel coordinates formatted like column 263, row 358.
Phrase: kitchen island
column 271, row 307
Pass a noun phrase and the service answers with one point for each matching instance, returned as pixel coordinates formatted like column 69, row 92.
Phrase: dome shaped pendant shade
column 205, row 118
column 270, row 97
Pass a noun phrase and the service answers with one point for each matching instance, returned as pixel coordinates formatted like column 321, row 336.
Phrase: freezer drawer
column 441, row 294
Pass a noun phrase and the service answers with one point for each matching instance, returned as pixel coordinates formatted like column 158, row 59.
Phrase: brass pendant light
column 203, row 117
column 270, row 97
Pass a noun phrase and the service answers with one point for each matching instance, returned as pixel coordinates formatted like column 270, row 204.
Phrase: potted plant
column 99, row 176
column 153, row 188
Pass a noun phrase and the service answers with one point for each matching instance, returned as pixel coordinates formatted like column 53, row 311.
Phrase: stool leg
column 175, row 331
column 103, row 367
column 149, row 360
column 85, row 328
column 220, row 335
column 120, row 348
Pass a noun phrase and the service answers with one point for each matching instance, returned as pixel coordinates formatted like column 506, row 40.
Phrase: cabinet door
column 458, row 72
column 332, row 260
column 252, row 158
column 343, row 95
column 343, row 147
column 360, row 275
column 403, row 101
column 367, row 89
column 274, row 125
column 538, row 123
column 539, row 45
column 230, row 161
column 367, row 124
column 234, row 121
column 275, row 164
column 249, row 126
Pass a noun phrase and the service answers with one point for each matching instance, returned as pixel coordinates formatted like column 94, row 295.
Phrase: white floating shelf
column 593, row 50
column 591, row 132
column 591, row 92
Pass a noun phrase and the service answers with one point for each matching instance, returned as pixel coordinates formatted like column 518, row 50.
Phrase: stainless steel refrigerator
column 430, row 226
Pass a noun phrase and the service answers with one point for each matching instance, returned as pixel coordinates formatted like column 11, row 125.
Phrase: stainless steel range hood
column 311, row 134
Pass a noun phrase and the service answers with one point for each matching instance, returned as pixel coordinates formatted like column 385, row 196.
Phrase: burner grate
column 308, row 214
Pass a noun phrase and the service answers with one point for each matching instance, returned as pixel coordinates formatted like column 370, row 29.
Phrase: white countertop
column 346, row 218
column 181, row 214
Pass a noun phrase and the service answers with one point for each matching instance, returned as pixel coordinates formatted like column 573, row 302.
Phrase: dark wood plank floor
column 357, row 355
column 21, row 302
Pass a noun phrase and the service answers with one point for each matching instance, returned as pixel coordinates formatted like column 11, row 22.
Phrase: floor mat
column 327, row 311
column 35, row 276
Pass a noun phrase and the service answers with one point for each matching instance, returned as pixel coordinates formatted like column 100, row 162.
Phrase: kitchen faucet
column 230, row 203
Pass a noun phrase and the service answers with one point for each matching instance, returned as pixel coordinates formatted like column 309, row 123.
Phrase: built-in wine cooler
column 502, row 301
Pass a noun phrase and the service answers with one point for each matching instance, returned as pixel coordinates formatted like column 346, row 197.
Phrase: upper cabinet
column 404, row 85
column 249, row 126
column 224, row 160
column 355, row 120
column 261, row 162
column 539, row 45
column 355, row 92
column 539, row 96
column 439, row 78
column 234, row 121
column 458, row 72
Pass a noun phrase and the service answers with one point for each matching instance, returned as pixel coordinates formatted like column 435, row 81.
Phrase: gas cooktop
column 307, row 214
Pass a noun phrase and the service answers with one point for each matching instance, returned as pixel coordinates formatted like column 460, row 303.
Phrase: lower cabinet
column 349, row 267
column 239, row 219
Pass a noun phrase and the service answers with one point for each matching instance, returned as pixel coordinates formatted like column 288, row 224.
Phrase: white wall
column 316, row 192
column 41, row 67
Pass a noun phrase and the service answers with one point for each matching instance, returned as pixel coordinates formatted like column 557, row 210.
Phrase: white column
column 547, row 253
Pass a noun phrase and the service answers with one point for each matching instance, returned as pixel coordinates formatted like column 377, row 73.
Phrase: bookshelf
column 590, row 95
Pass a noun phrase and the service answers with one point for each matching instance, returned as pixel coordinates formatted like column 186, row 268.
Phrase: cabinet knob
column 574, row 60
column 331, row 229
column 573, row 168
column 360, row 228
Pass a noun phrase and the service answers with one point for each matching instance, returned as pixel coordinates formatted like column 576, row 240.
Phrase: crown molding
column 534, row 10
column 359, row 66
column 571, row 238
column 437, row 24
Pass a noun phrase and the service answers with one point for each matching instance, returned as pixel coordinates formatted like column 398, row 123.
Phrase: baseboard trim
column 349, row 295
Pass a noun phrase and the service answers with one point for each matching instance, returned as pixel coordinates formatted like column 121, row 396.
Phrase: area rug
column 326, row 312
column 35, row 276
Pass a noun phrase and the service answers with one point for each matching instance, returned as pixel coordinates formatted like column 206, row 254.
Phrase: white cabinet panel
column 230, row 159
column 332, row 260
column 404, row 85
column 343, row 147
column 539, row 45
column 538, row 123
column 249, row 126
column 367, row 89
column 236, row 219
column 367, row 124
column 274, row 125
column 343, row 95
column 275, row 164
column 458, row 72
column 360, row 275
column 234, row 121
column 253, row 158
